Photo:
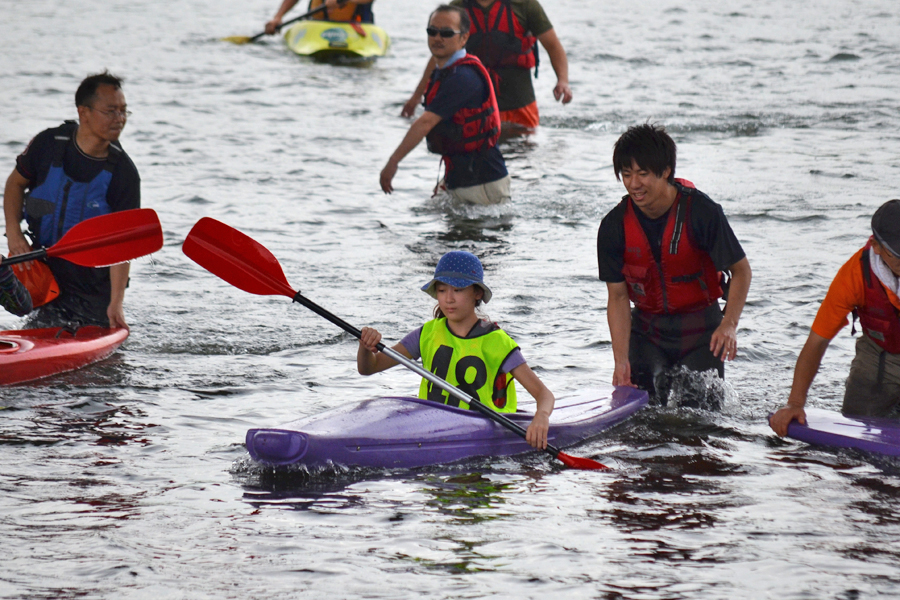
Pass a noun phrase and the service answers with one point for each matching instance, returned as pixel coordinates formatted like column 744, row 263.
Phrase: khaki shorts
column 494, row 192
column 865, row 395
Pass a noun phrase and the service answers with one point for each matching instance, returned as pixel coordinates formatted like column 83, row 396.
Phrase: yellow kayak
column 323, row 39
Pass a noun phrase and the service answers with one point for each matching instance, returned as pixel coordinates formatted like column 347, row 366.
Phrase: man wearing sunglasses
column 461, row 121
column 868, row 285
column 66, row 175
column 504, row 36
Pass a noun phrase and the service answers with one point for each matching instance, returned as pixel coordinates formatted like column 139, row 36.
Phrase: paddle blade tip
column 577, row 462
column 236, row 39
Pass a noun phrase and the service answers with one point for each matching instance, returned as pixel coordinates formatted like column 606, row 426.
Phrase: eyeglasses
column 112, row 114
column 444, row 33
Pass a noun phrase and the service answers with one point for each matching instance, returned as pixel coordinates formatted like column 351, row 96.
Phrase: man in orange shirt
column 866, row 285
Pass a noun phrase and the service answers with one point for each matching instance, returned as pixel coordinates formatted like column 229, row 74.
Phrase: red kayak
column 34, row 353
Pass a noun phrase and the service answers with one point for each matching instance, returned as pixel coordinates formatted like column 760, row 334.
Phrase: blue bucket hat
column 459, row 269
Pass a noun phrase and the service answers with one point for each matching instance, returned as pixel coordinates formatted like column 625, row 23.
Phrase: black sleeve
column 611, row 245
column 713, row 234
column 125, row 187
column 36, row 157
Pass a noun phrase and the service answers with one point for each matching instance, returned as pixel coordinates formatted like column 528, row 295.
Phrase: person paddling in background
column 469, row 352
column 868, row 285
column 504, row 37
column 72, row 173
column 664, row 248
column 461, row 121
column 352, row 11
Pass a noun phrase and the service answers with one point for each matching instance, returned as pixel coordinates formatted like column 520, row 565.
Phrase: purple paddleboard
column 409, row 432
column 827, row 428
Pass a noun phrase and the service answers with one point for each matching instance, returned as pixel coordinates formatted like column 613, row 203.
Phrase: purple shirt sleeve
column 411, row 343
column 512, row 361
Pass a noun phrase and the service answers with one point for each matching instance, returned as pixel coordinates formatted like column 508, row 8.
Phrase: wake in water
column 683, row 388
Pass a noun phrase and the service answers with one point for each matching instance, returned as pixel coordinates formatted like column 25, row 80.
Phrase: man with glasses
column 65, row 175
column 504, row 36
column 461, row 121
column 868, row 285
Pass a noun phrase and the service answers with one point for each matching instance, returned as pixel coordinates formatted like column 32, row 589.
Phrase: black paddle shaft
column 294, row 20
column 470, row 400
column 20, row 258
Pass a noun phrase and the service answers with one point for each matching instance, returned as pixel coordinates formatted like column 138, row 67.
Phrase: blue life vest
column 59, row 202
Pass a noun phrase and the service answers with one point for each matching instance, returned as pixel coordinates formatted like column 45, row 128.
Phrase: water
column 130, row 480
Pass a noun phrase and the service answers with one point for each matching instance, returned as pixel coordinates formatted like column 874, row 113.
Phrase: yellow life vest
column 347, row 12
column 470, row 364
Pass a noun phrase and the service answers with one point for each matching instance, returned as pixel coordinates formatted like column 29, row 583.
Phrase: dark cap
column 886, row 226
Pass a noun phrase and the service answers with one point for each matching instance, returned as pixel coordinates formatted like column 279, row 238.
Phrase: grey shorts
column 494, row 192
column 865, row 394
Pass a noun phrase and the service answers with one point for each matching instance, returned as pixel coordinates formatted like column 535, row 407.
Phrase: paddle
column 105, row 240
column 242, row 39
column 248, row 265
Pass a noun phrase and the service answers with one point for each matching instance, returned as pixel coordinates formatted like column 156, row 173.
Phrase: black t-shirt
column 464, row 88
column 83, row 290
column 709, row 230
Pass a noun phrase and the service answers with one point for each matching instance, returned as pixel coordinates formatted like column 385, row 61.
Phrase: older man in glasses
column 65, row 175
column 461, row 121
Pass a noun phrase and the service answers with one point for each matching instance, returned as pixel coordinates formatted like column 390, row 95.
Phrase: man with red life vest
column 349, row 11
column 461, row 121
column 504, row 37
column 65, row 175
column 664, row 248
column 868, row 285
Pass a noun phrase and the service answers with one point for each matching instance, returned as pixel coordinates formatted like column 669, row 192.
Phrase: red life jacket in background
column 879, row 318
column 498, row 38
column 350, row 12
column 470, row 129
column 686, row 280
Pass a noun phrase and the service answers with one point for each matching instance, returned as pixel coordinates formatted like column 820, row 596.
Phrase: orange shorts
column 527, row 116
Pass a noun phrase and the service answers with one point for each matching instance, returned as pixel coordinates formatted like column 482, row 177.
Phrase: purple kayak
column 827, row 428
column 399, row 432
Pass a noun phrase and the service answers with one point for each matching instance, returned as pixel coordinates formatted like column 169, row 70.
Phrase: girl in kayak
column 464, row 349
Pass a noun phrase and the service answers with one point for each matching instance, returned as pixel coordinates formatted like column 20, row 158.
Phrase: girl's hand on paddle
column 370, row 339
column 536, row 435
column 723, row 344
column 782, row 418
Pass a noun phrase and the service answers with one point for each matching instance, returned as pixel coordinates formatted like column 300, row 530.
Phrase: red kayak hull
column 30, row 354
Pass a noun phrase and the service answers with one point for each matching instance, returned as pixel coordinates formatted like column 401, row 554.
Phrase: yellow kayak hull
column 322, row 39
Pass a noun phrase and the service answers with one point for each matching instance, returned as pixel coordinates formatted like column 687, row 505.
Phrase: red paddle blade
column 237, row 258
column 111, row 239
column 577, row 462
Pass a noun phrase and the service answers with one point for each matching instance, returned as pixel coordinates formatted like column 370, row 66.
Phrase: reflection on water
column 470, row 498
